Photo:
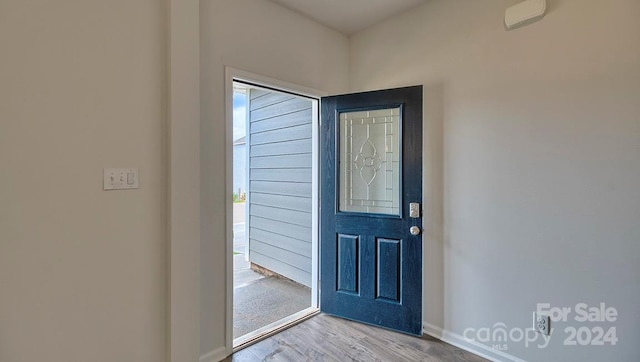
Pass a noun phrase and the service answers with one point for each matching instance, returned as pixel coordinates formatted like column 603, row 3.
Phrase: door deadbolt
column 414, row 210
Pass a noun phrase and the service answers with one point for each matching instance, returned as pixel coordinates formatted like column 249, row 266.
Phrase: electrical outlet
column 541, row 323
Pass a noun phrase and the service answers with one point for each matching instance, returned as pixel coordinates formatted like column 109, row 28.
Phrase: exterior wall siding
column 279, row 142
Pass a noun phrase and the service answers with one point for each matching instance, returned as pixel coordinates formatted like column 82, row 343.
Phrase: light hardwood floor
column 327, row 338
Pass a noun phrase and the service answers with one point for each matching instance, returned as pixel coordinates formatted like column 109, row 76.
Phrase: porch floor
column 258, row 300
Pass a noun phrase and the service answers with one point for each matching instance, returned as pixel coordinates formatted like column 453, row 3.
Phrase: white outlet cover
column 120, row 179
column 541, row 323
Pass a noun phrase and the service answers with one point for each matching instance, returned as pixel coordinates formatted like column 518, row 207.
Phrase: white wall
column 532, row 161
column 263, row 38
column 532, row 143
column 82, row 271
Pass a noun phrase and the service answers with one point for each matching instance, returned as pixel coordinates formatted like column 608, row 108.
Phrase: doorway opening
column 275, row 209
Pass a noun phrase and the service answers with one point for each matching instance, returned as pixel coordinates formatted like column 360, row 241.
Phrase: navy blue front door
column 371, row 171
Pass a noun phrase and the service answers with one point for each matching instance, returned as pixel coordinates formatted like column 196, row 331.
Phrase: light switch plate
column 121, row 178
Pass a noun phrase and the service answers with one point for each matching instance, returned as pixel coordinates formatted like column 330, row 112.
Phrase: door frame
column 234, row 74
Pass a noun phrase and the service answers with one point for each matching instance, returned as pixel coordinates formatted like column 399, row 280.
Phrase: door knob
column 414, row 230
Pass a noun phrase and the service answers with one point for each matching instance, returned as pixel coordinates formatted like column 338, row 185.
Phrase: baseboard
column 468, row 345
column 432, row 330
column 216, row 355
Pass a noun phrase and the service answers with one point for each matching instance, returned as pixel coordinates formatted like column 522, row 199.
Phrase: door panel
column 347, row 263
column 388, row 263
column 371, row 165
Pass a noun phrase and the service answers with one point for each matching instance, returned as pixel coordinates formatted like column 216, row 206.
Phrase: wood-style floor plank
column 327, row 338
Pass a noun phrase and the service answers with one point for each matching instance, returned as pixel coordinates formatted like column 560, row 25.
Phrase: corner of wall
column 216, row 355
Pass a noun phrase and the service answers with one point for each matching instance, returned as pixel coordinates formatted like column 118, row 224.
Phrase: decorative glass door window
column 370, row 161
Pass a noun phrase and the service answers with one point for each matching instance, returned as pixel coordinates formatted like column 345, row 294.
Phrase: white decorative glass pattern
column 370, row 161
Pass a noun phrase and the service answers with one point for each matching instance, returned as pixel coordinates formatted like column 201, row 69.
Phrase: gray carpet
column 265, row 301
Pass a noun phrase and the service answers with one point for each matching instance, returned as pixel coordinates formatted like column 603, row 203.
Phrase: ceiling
column 349, row 16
